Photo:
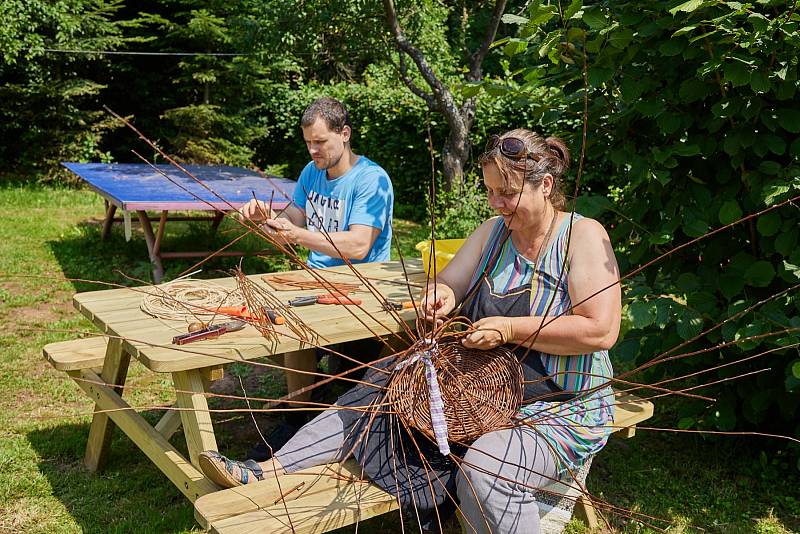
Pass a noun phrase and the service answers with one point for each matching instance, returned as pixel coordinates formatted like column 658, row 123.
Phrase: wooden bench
column 98, row 365
column 332, row 496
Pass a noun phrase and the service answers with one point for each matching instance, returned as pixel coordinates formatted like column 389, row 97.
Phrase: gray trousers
column 495, row 485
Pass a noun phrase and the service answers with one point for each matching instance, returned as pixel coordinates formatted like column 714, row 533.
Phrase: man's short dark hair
column 328, row 109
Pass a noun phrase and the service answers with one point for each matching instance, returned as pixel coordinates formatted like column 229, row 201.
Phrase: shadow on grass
column 130, row 495
column 712, row 484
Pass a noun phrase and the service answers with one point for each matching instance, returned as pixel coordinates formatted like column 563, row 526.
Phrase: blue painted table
column 139, row 188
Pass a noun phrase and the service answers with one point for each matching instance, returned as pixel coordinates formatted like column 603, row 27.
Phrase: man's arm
column 353, row 243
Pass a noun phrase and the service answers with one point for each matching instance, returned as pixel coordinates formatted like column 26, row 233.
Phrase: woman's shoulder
column 587, row 234
column 588, row 226
column 487, row 227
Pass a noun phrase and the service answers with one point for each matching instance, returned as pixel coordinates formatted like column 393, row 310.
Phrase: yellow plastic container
column 445, row 250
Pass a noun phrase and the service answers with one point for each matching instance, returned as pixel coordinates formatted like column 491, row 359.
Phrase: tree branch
column 475, row 72
column 427, row 97
column 406, row 47
column 441, row 93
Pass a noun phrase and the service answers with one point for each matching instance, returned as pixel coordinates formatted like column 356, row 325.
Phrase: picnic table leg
column 153, row 242
column 111, row 209
column 195, row 417
column 218, row 216
column 115, row 371
column 584, row 510
column 187, row 478
column 169, row 423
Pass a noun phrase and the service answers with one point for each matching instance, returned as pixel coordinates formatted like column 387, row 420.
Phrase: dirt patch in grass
column 32, row 320
column 45, row 312
column 20, row 516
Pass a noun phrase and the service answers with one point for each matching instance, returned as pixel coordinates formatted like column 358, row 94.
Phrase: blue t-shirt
column 363, row 195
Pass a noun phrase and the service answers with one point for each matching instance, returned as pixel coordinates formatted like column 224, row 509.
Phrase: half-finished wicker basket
column 481, row 391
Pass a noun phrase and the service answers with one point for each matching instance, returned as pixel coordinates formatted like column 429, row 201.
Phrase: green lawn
column 50, row 235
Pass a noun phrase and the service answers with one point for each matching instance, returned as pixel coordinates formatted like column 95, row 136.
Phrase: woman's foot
column 229, row 473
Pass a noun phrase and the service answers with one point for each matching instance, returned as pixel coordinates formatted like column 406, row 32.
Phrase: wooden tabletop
column 116, row 312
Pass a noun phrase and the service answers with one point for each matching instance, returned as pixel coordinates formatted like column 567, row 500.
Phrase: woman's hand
column 435, row 309
column 488, row 333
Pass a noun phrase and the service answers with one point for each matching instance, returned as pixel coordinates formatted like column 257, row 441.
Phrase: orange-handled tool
column 243, row 313
column 390, row 305
column 338, row 299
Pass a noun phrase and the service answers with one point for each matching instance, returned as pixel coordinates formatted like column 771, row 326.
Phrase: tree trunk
column 454, row 157
column 455, row 153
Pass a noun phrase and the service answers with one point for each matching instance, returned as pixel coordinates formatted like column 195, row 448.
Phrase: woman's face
column 519, row 210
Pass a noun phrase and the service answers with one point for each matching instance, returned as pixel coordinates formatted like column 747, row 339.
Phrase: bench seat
column 332, row 496
column 77, row 354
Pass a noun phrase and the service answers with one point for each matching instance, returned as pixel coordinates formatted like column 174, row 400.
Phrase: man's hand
column 282, row 230
column 488, row 333
column 256, row 211
column 435, row 309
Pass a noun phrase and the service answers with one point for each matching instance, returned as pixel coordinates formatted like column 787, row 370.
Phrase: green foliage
column 692, row 123
column 49, row 111
column 391, row 126
column 461, row 211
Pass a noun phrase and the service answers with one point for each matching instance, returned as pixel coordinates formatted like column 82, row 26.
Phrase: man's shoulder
column 367, row 167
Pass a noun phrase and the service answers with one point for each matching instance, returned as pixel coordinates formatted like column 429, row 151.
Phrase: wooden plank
column 318, row 499
column 190, row 481
column 169, row 423
column 115, row 371
column 86, row 353
column 628, row 411
column 353, row 503
column 195, row 417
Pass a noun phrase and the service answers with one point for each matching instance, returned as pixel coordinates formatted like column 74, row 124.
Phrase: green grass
column 50, row 235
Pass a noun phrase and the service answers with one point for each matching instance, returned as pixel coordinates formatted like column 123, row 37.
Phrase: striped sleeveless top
column 549, row 297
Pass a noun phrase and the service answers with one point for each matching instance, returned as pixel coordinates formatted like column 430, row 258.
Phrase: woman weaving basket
column 511, row 277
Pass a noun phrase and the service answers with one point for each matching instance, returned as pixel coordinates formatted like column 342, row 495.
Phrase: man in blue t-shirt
column 342, row 205
column 341, row 199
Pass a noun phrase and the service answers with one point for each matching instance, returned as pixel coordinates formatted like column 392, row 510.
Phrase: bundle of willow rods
column 481, row 390
column 188, row 300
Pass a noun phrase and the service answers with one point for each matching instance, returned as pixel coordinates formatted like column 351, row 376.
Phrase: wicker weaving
column 481, row 391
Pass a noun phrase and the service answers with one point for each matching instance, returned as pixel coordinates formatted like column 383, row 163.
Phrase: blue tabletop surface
column 137, row 186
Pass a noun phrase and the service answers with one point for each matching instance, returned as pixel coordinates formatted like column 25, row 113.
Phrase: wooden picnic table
column 140, row 188
column 132, row 333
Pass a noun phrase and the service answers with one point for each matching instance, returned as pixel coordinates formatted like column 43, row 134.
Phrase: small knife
column 209, row 332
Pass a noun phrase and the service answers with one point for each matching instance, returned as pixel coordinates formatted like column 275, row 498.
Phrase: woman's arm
column 452, row 283
column 593, row 325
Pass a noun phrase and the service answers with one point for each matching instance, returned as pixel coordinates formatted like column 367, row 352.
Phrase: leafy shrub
column 693, row 123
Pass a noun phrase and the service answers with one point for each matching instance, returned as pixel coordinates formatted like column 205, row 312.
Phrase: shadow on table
column 93, row 263
column 130, row 495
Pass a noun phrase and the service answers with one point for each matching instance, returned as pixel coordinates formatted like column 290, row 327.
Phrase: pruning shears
column 209, row 332
column 325, row 299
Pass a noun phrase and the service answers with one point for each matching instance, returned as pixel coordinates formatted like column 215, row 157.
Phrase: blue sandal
column 229, row 473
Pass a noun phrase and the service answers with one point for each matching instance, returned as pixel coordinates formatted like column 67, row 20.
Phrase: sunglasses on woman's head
column 510, row 147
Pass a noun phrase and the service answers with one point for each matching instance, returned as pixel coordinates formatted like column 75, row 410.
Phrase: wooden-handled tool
column 209, row 332
column 397, row 306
